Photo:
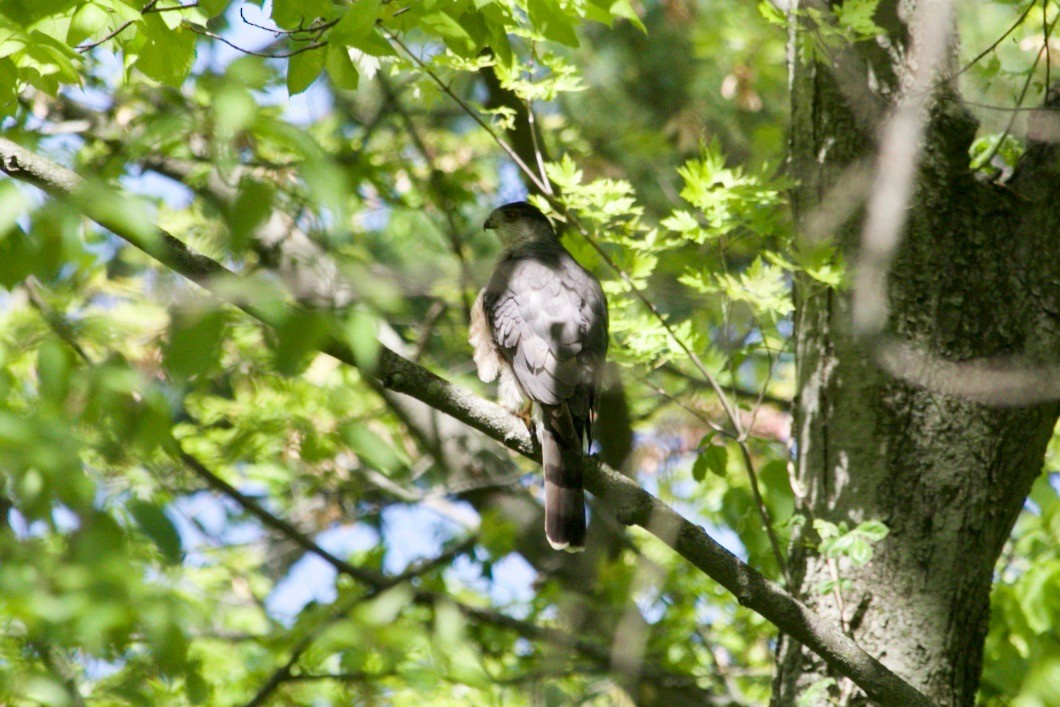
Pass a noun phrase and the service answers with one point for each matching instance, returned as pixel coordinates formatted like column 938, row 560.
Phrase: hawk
column 541, row 326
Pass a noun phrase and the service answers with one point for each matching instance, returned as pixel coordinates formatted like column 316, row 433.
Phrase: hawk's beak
column 489, row 223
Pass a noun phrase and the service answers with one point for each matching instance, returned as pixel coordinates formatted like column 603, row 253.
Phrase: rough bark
column 975, row 277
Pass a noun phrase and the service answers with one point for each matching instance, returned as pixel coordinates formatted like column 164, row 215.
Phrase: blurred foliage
column 317, row 146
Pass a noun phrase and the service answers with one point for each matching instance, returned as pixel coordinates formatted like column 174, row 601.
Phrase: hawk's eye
column 509, row 216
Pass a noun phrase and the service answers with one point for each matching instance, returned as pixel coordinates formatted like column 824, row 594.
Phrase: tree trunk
column 975, row 276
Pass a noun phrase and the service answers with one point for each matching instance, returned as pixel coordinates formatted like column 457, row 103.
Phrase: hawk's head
column 519, row 223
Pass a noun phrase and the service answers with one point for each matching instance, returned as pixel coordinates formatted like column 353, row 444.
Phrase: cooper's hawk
column 541, row 325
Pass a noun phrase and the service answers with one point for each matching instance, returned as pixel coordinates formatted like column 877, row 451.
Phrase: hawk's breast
column 548, row 319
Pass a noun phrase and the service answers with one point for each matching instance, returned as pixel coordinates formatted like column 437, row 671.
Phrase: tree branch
column 477, row 471
column 448, row 440
column 630, row 503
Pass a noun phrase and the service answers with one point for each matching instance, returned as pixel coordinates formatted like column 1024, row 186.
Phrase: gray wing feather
column 548, row 316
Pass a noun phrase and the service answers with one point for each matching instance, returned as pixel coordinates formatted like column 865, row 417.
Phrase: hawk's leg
column 511, row 396
column 526, row 414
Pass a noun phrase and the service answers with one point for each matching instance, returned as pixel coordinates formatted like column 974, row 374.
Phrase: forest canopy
column 238, row 238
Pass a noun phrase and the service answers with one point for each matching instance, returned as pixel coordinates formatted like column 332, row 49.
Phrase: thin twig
column 55, row 321
column 283, row 673
column 688, row 408
column 149, row 8
column 994, row 45
column 1046, row 31
column 471, row 112
column 1019, row 101
column 157, row 10
column 833, row 571
column 746, row 393
column 62, row 669
column 538, row 156
column 121, row 28
column 1012, row 109
column 266, row 55
column 367, row 677
column 434, row 313
column 311, row 29
column 274, row 522
column 763, row 513
column 765, row 386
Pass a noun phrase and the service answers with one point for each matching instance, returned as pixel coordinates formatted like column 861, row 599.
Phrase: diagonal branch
column 631, row 504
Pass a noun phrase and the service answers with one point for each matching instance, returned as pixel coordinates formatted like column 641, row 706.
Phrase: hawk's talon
column 527, row 416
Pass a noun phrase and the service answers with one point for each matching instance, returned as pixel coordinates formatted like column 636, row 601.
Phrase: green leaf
column 168, row 55
column 54, row 364
column 548, row 18
column 707, row 439
column 194, row 342
column 699, row 468
column 13, row 204
column 89, row 21
column 123, row 11
column 765, row 287
column 1038, row 593
column 680, row 221
column 8, row 87
column 873, row 530
column 376, row 45
column 860, row 551
column 233, row 109
column 857, row 16
column 45, row 691
column 713, row 458
column 838, row 546
column 297, row 340
column 51, row 60
column 212, row 8
column 362, row 334
column 624, row 9
column 772, row 14
column 826, row 586
column 355, row 25
column 497, row 532
column 252, row 206
column 341, row 68
column 455, row 36
column 501, row 46
column 196, row 688
column 157, row 526
column 817, row 693
column 28, row 12
column 17, row 257
column 373, row 450
column 294, row 13
column 825, row 529
column 386, row 607
column 303, row 69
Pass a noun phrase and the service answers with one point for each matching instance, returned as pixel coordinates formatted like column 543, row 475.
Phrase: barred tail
column 564, row 496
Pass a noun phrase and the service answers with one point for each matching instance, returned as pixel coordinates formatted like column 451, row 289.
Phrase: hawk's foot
column 526, row 414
